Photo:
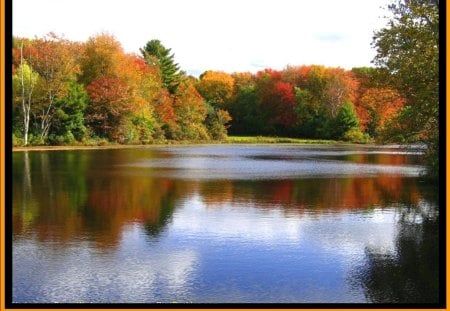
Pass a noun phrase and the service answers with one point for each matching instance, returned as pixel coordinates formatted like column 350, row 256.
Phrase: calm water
column 224, row 224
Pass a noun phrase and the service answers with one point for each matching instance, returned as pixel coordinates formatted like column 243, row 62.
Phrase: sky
column 225, row 35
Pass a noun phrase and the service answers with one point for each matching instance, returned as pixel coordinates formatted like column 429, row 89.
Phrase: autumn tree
column 408, row 47
column 381, row 104
column 242, row 80
column 216, row 87
column 102, row 56
column 315, row 84
column 297, row 75
column 191, row 111
column 143, row 83
column 153, row 113
column 108, row 102
column 376, row 102
column 339, row 88
column 52, row 57
column 165, row 113
column 277, row 101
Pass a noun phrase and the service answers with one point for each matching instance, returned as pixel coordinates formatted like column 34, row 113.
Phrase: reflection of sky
column 262, row 255
column 212, row 253
column 80, row 273
column 250, row 224
column 273, row 162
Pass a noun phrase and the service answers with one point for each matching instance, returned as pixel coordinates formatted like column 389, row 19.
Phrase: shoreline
column 171, row 144
column 230, row 140
column 56, row 148
column 111, row 147
column 187, row 143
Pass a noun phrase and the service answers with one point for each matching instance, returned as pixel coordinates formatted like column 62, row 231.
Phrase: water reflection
column 76, row 274
column 76, row 198
column 411, row 274
column 128, row 233
column 274, row 162
column 94, row 202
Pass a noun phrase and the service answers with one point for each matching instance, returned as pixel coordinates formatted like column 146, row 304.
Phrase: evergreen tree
column 346, row 119
column 68, row 124
column 155, row 53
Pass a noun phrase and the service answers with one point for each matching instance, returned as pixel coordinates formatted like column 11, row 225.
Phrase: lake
column 224, row 224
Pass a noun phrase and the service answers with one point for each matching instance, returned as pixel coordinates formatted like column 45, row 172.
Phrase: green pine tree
column 345, row 120
column 156, row 54
column 68, row 123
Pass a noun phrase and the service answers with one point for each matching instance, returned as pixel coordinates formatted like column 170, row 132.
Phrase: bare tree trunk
column 26, row 117
column 26, row 94
column 46, row 118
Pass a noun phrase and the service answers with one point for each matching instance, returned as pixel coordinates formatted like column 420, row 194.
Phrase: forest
column 68, row 92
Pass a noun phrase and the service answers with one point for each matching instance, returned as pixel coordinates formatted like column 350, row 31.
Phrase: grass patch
column 275, row 140
column 100, row 143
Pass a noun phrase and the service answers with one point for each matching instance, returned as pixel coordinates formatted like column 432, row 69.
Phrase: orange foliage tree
column 382, row 104
column 216, row 87
column 191, row 111
column 53, row 58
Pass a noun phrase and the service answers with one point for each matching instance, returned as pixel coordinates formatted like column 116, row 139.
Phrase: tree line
column 66, row 92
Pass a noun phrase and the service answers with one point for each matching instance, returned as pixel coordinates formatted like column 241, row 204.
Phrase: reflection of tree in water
column 154, row 228
column 65, row 196
column 411, row 274
column 46, row 194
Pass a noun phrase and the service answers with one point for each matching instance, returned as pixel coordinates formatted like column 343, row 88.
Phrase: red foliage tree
column 277, row 98
column 108, row 102
column 164, row 108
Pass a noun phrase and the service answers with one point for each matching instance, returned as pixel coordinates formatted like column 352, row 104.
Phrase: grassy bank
column 229, row 140
column 275, row 140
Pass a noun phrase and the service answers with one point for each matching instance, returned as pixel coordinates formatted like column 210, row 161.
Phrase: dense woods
column 88, row 92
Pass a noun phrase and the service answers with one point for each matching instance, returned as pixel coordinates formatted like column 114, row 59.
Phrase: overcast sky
column 227, row 35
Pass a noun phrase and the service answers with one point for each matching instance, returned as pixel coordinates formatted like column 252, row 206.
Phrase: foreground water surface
column 225, row 223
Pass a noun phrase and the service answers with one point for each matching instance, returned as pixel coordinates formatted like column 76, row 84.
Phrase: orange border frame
column 2, row 161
